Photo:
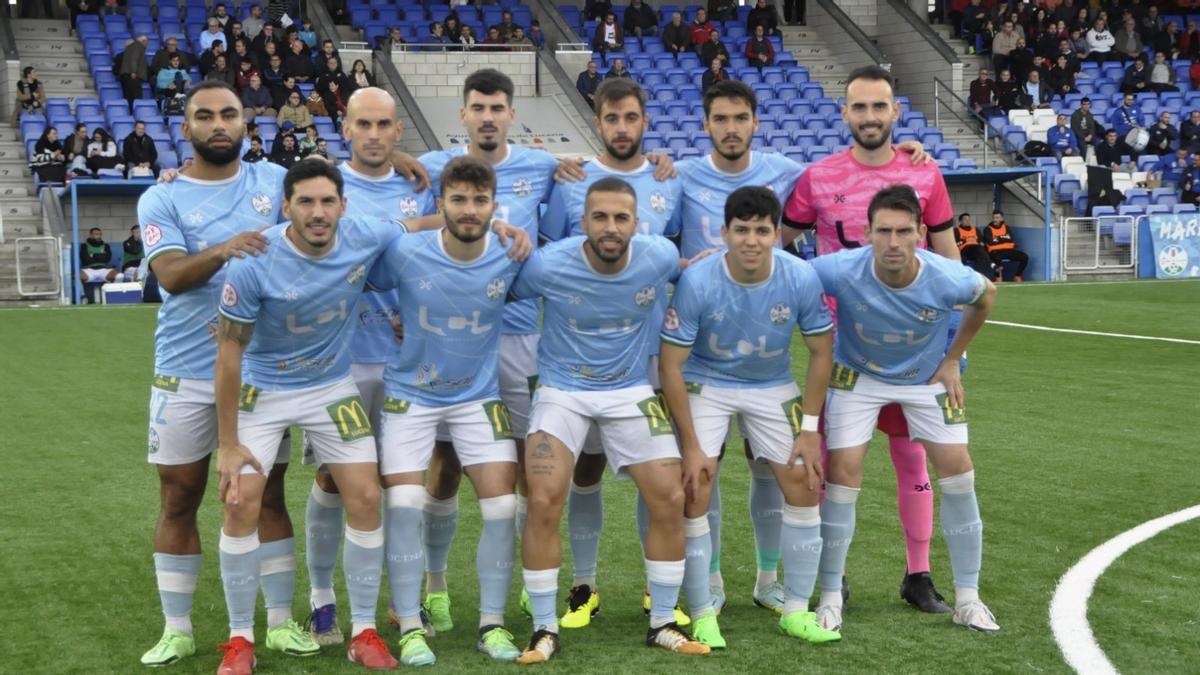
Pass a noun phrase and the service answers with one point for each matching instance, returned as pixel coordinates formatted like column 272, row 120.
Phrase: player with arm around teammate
column 894, row 305
column 726, row 350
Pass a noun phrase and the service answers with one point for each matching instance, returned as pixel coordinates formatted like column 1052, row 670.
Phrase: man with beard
column 832, row 196
column 452, row 284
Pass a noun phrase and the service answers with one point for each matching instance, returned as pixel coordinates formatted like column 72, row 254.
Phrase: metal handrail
column 8, row 43
column 56, row 275
column 855, row 32
column 322, row 20
column 938, row 87
column 920, row 25
column 554, row 26
column 567, row 85
column 383, row 58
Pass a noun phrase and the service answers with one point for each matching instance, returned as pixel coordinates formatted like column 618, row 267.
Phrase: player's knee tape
column 405, row 497
column 695, row 527
column 438, row 507
column 961, row 484
column 841, row 494
column 801, row 516
column 329, row 500
column 503, row 507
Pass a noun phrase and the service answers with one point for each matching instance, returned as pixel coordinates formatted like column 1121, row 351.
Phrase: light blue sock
column 664, row 577
column 542, row 586
column 405, row 556
column 363, row 567
column 439, row 524
column 643, row 520
column 522, row 513
column 277, row 577
column 585, row 520
column 801, row 555
column 714, row 527
column 837, row 530
column 239, row 577
column 494, row 558
column 323, row 537
column 962, row 528
column 698, row 548
column 766, row 515
column 176, row 585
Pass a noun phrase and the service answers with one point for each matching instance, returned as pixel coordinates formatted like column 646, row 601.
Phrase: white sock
column 716, row 580
column 357, row 628
column 580, row 581
column 408, row 623
column 964, row 595
column 247, row 633
column 790, row 606
column 765, row 579
column 832, row 598
column 490, row 620
column 435, row 582
column 321, row 597
column 278, row 615
column 183, row 624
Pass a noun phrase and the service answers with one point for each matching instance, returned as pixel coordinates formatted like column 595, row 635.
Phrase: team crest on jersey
column 658, row 201
column 671, row 320
column 262, row 203
column 356, row 275
column 154, row 441
column 705, row 196
column 229, row 296
column 152, row 234
column 522, row 187
column 408, row 207
column 780, row 314
column 646, row 296
column 496, row 288
column 928, row 314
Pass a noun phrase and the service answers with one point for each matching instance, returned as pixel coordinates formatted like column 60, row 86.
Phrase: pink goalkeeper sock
column 914, row 500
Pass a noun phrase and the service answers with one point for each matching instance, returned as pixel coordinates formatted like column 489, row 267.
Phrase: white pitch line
column 1068, row 607
column 1050, row 329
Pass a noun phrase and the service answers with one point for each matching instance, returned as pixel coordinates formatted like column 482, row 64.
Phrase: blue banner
column 1176, row 245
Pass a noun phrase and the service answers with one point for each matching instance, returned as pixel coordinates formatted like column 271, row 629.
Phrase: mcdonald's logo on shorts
column 349, row 415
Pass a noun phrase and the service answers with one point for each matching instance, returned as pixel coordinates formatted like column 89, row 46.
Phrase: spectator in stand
column 1128, row 42
column 298, row 63
column 535, row 34
column 269, row 34
column 1035, row 93
column 1164, row 138
column 234, row 33
column 1189, row 42
column 618, row 69
column 676, row 37
column 452, row 27
column 246, row 71
column 131, row 261
column 1101, row 44
column 982, row 99
column 1008, row 91
column 284, row 151
column 31, row 96
column 221, row 14
column 208, row 60
column 1137, row 77
column 280, row 94
column 970, row 248
column 974, row 17
column 1020, row 61
column 506, row 25
column 255, row 153
column 95, row 263
column 1150, row 25
column 360, row 77
column 1125, row 117
column 722, row 10
column 257, row 100
column 1162, row 75
column 222, row 73
column 494, row 38
column 716, row 73
column 596, row 10
column 1169, row 170
column 172, row 80
column 467, row 38
column 294, row 112
column 639, row 19
column 437, row 37
column 608, row 36
column 1083, row 124
column 132, row 68
column 699, row 29
column 316, row 104
column 1003, row 44
column 587, row 82
column 307, row 33
column 328, row 51
column 394, row 39
column 1065, row 11
column 1061, row 138
column 75, row 150
column 308, row 144
column 1190, row 188
column 1109, row 153
column 139, row 153
column 253, row 24
column 764, row 14
column 520, row 40
column 1001, row 247
column 1079, row 45
column 49, row 161
column 331, row 70
column 334, row 97
column 1189, row 132
column 270, row 49
column 1066, row 49
column 759, row 50
column 795, row 12
column 1167, row 41
column 102, row 153
column 714, row 49
column 77, row 7
column 211, row 34
column 274, row 76
column 162, row 58
column 1062, row 79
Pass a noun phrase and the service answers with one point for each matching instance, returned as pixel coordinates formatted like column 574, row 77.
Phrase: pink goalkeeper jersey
column 834, row 193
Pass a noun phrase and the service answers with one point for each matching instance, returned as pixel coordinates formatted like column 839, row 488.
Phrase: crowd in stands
column 451, row 34
column 98, row 265
column 991, row 250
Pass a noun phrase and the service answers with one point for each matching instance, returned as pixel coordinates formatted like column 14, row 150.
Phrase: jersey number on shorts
column 497, row 414
column 249, row 398
column 951, row 414
column 656, row 416
column 793, row 412
column 350, row 417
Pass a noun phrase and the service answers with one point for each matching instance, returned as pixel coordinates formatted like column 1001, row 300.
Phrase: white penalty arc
column 1073, row 331
column 1068, row 607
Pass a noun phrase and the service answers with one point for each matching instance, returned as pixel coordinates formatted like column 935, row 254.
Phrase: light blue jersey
column 189, row 216
column 657, row 202
column 706, row 188
column 302, row 307
column 523, row 183
column 741, row 336
column 897, row 335
column 597, row 327
column 452, row 313
column 388, row 199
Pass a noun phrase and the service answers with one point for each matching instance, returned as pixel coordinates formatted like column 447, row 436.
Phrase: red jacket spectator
column 760, row 52
column 1194, row 72
column 699, row 29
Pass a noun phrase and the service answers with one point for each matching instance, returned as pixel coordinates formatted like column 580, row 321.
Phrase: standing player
column 374, row 191
column 452, row 286
column 287, row 312
column 832, row 195
column 214, row 212
column 894, row 307
column 727, row 351
column 599, row 293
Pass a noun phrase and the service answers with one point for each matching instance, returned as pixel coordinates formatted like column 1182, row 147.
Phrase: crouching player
column 726, row 350
column 894, row 305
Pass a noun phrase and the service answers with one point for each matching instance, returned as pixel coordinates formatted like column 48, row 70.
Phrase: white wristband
column 809, row 422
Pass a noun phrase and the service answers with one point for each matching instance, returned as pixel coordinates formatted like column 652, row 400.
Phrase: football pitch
column 1076, row 439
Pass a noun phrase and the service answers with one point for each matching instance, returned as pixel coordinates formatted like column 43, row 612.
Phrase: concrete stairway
column 48, row 45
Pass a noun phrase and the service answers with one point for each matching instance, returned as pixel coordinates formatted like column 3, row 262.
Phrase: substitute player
column 452, row 285
column 832, row 195
column 894, row 306
column 288, row 313
column 599, row 293
column 212, row 213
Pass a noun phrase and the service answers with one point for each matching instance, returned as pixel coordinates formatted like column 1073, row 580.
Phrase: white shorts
column 592, row 445
column 854, row 401
column 518, row 373
column 183, row 422
column 368, row 377
column 769, row 418
column 480, row 431
column 91, row 276
column 633, row 426
column 333, row 417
